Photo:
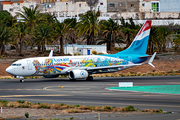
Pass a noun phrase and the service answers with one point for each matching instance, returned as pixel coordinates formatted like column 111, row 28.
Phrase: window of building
column 143, row 4
column 120, row 4
column 132, row 5
column 11, row 9
column 155, row 6
column 31, row 6
column 18, row 3
column 79, row 5
column 101, row 3
column 111, row 5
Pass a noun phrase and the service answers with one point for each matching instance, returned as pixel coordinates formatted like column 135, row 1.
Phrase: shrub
column 77, row 105
column 4, row 102
column 108, row 107
column 62, row 104
column 27, row 115
column 19, row 101
column 94, row 52
column 42, row 106
column 160, row 110
column 118, row 48
column 130, row 108
column 154, row 110
column 71, row 118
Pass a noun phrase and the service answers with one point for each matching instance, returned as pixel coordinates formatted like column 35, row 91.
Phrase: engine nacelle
column 51, row 76
column 76, row 74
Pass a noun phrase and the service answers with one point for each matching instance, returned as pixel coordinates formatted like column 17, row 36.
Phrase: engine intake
column 77, row 74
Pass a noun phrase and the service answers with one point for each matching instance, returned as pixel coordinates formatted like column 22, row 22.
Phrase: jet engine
column 75, row 74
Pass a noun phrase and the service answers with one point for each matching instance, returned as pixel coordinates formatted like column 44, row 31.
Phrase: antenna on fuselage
column 51, row 53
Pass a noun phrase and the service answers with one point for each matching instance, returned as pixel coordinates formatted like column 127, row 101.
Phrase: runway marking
column 31, row 95
column 93, row 86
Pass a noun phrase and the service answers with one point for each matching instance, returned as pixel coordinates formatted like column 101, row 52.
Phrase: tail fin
column 140, row 42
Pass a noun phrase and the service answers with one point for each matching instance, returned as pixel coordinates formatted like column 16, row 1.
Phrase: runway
column 92, row 92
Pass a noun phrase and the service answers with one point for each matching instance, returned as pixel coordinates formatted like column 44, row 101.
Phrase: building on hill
column 13, row 6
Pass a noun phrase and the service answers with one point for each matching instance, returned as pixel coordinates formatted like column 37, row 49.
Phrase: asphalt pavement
column 83, row 92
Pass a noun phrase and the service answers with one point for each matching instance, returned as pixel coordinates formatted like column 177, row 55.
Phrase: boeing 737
column 78, row 67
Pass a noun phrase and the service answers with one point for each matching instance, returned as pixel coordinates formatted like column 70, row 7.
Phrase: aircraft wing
column 110, row 67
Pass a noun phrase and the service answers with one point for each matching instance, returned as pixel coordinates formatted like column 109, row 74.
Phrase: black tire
column 22, row 80
column 72, row 79
column 89, row 78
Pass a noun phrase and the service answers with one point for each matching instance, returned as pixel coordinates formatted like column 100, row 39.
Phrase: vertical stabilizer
column 140, row 42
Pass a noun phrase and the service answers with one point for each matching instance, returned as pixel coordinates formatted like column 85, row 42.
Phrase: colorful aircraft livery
column 78, row 67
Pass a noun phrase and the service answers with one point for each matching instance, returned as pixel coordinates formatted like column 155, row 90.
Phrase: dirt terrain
column 162, row 63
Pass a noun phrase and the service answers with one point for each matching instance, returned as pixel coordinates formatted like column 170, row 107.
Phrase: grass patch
column 72, row 108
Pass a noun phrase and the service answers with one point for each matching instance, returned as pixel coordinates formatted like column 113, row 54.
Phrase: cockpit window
column 16, row 65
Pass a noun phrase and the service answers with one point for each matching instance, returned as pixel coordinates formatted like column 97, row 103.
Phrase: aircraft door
column 29, row 65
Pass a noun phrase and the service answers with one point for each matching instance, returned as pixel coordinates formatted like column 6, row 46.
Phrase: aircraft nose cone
column 9, row 70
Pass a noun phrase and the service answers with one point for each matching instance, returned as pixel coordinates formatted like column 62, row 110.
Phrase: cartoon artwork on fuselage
column 48, row 67
column 55, row 66
column 100, row 61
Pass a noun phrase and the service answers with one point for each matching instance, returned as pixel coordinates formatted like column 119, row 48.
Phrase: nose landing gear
column 21, row 78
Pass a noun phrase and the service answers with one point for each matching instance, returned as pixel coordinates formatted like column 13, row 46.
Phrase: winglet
column 51, row 53
column 151, row 60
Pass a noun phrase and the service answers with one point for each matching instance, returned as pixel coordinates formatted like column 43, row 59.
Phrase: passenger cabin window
column 16, row 65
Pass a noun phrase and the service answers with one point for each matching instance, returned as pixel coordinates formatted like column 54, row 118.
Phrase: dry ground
column 19, row 113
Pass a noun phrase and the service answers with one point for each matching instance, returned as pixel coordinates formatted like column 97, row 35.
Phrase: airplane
column 78, row 67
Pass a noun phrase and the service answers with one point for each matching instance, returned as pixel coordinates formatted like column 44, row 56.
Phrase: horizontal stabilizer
column 156, row 55
column 151, row 60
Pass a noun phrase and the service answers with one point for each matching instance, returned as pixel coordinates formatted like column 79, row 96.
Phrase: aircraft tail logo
column 140, row 42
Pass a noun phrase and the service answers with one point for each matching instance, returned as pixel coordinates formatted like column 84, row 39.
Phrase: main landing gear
column 89, row 78
column 72, row 79
column 21, row 80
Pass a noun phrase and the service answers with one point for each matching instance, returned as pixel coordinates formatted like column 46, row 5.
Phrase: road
column 93, row 92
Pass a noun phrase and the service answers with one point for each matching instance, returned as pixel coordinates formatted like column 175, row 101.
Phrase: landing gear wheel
column 89, row 78
column 21, row 80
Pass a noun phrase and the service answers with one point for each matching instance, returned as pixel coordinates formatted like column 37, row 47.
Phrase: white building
column 17, row 6
column 74, row 49
column 84, row 49
column 73, row 9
